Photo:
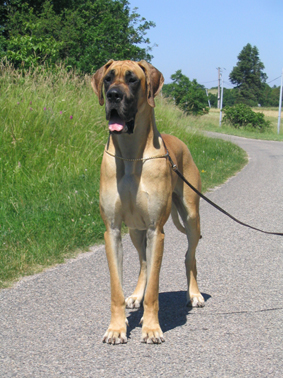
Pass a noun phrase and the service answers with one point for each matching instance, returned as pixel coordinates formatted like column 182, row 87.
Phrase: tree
column 213, row 100
column 101, row 30
column 188, row 95
column 229, row 96
column 270, row 95
column 248, row 76
column 86, row 33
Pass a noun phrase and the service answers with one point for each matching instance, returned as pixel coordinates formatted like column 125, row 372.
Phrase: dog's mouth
column 118, row 125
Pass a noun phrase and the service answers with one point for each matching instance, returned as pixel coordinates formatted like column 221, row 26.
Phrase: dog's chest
column 136, row 198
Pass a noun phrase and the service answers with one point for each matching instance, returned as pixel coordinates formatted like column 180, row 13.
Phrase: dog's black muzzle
column 115, row 96
column 118, row 106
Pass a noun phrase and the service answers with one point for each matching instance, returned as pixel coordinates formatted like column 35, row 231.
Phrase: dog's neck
column 143, row 142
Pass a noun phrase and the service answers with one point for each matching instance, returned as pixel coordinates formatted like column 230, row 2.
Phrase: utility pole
column 280, row 103
column 208, row 98
column 221, row 104
column 218, row 97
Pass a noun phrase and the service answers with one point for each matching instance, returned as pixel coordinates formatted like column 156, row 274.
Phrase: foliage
column 270, row 96
column 242, row 115
column 213, row 100
column 229, row 97
column 188, row 95
column 3, row 47
column 31, row 51
column 248, row 76
column 83, row 34
column 103, row 30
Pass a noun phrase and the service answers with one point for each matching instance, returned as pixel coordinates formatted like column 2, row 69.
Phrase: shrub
column 31, row 51
column 242, row 115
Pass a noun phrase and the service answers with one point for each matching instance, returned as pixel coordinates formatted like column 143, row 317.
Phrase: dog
column 139, row 187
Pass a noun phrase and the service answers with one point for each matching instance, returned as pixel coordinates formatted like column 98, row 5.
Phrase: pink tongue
column 116, row 124
column 115, row 127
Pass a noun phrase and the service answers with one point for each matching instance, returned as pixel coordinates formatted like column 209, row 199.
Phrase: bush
column 29, row 51
column 242, row 115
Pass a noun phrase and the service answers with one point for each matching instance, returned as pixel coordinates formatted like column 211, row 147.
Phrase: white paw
column 133, row 302
column 116, row 336
column 196, row 301
column 152, row 336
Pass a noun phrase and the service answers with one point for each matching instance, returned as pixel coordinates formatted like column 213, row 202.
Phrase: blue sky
column 199, row 36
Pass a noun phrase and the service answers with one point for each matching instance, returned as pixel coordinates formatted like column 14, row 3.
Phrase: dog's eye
column 108, row 79
column 133, row 80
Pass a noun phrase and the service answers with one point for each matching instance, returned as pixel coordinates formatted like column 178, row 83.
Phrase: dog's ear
column 97, row 81
column 154, row 81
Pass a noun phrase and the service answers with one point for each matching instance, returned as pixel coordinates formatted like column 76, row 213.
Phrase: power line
column 273, row 80
column 227, row 83
column 207, row 82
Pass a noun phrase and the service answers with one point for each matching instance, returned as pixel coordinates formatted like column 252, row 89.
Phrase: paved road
column 52, row 323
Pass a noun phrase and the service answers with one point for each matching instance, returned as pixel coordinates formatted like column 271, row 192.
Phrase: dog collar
column 139, row 159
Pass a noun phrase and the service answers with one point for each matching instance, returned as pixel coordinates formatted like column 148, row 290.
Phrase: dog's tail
column 176, row 220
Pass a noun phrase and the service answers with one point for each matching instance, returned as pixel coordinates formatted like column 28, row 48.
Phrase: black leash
column 175, row 169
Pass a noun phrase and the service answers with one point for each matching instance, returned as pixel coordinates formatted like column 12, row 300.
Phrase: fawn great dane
column 139, row 187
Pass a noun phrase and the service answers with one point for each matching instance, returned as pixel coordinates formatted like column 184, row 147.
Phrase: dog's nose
column 115, row 95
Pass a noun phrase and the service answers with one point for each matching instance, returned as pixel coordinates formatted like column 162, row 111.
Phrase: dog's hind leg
column 189, row 213
column 139, row 241
column 194, row 297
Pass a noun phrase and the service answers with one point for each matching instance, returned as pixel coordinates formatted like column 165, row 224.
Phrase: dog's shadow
column 172, row 311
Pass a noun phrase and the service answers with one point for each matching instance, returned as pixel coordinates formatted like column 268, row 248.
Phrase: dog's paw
column 196, row 301
column 133, row 302
column 116, row 336
column 152, row 336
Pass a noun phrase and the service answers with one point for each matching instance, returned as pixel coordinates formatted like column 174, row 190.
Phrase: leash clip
column 174, row 167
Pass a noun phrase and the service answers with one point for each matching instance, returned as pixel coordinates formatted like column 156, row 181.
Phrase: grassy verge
column 210, row 122
column 52, row 135
column 216, row 160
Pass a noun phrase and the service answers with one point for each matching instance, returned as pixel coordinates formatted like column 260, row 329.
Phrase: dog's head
column 127, row 86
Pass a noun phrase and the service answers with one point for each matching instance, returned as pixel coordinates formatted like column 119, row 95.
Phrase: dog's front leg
column 151, row 331
column 116, row 332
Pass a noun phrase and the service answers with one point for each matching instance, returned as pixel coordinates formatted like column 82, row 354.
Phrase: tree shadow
column 172, row 311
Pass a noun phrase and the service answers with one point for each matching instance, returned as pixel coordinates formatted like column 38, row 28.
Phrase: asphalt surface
column 51, row 324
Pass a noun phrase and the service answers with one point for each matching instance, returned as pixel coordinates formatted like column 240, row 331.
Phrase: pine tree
column 248, row 76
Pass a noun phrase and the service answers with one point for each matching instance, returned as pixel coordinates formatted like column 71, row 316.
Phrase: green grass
column 210, row 122
column 52, row 135
column 216, row 160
